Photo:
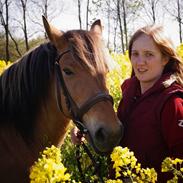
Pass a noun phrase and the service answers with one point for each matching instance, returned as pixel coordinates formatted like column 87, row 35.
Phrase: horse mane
column 25, row 83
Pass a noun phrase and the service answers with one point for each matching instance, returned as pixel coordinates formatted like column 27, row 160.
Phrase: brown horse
column 55, row 82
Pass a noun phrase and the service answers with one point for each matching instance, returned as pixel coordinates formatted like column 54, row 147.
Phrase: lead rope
column 95, row 163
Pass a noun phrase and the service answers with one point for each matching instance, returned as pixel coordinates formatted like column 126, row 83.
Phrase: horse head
column 81, row 91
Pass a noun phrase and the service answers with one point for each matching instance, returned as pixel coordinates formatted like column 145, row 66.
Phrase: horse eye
column 68, row 71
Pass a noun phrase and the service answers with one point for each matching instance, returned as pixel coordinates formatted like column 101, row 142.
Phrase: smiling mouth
column 142, row 70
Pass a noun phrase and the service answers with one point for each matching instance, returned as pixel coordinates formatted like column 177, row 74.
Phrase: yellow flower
column 125, row 163
column 49, row 168
column 174, row 166
column 4, row 65
column 114, row 181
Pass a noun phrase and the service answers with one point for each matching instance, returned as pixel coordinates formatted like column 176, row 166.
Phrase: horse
column 60, row 80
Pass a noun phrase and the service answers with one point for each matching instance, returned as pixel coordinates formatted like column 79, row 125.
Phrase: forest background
column 21, row 20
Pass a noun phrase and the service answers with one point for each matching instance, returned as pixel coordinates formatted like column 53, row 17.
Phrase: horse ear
column 53, row 33
column 97, row 27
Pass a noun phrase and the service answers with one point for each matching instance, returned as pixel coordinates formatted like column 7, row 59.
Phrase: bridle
column 75, row 111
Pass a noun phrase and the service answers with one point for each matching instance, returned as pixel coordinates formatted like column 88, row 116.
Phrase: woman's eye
column 68, row 71
column 149, row 54
column 135, row 54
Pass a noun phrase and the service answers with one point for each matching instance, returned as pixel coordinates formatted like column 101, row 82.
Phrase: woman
column 152, row 105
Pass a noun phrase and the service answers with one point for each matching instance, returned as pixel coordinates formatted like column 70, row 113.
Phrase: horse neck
column 51, row 124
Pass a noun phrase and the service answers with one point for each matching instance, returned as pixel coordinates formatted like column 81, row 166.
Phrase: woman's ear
column 165, row 60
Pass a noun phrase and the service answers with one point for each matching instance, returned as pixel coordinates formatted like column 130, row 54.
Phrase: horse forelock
column 24, row 84
column 88, row 50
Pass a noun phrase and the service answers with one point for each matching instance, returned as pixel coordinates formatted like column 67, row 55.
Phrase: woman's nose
column 140, row 60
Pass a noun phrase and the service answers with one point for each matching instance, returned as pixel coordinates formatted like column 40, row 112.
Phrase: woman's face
column 147, row 60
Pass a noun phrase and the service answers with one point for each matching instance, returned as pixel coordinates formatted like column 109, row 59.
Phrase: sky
column 69, row 20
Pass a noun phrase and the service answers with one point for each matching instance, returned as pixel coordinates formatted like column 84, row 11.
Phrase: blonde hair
column 164, row 43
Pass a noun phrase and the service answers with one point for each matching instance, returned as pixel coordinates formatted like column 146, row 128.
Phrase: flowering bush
column 180, row 50
column 49, row 168
column 174, row 166
column 120, row 70
column 127, row 168
column 4, row 65
column 68, row 151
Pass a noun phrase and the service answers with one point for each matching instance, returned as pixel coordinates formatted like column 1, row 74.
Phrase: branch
column 16, row 45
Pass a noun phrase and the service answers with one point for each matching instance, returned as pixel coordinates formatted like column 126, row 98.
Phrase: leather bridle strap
column 91, row 102
column 69, row 101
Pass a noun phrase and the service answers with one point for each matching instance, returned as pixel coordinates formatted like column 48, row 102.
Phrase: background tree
column 108, row 3
column 50, row 9
column 120, row 24
column 179, row 18
column 87, row 13
column 4, row 15
column 79, row 14
column 175, row 9
column 23, row 6
column 21, row 20
column 151, row 9
column 127, row 11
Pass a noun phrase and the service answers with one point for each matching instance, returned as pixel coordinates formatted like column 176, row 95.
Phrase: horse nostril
column 100, row 135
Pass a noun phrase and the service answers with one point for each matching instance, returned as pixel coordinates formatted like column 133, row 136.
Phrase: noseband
column 75, row 111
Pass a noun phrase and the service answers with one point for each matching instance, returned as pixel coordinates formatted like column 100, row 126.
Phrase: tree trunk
column 46, row 9
column 120, row 24
column 16, row 45
column 46, row 15
column 125, row 24
column 153, row 11
column 109, row 26
column 115, row 33
column 179, row 21
column 6, row 27
column 24, row 8
column 87, row 13
column 79, row 13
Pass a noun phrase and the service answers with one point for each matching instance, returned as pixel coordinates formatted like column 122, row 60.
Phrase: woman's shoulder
column 130, row 82
column 174, row 91
column 169, row 99
column 174, row 103
column 170, row 83
column 172, row 123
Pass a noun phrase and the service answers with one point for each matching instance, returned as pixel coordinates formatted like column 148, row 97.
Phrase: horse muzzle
column 103, row 140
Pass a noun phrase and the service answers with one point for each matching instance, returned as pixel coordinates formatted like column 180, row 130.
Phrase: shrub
column 49, row 168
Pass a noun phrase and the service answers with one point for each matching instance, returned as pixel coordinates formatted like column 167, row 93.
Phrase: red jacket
column 153, row 122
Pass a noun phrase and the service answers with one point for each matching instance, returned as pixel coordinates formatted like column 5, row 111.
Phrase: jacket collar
column 165, row 81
